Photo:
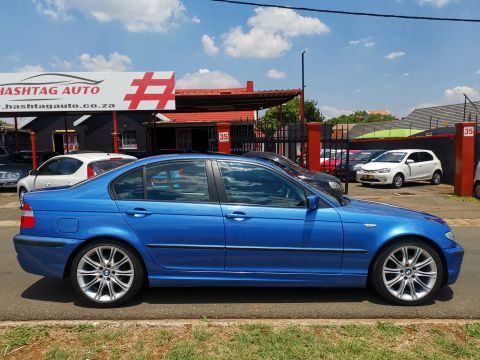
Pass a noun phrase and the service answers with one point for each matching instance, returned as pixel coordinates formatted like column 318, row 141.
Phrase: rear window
column 103, row 166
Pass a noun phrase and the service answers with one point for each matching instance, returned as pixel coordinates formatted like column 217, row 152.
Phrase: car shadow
column 61, row 291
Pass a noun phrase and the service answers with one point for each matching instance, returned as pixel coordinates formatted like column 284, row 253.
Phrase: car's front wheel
column 398, row 180
column 408, row 272
column 107, row 273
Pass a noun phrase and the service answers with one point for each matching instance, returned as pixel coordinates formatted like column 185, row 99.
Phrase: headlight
column 334, row 185
column 382, row 171
column 357, row 166
column 13, row 175
column 449, row 235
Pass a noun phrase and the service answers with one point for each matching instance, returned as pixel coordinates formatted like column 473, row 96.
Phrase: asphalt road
column 29, row 297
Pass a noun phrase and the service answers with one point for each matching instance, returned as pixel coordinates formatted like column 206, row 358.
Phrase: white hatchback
column 67, row 170
column 395, row 167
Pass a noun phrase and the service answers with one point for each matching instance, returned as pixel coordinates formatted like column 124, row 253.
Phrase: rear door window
column 68, row 166
column 425, row 156
column 129, row 186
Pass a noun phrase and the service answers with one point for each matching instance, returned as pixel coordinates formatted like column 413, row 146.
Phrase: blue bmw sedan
column 217, row 220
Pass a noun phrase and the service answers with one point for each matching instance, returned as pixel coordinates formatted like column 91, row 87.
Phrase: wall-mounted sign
column 223, row 137
column 87, row 92
column 468, row 131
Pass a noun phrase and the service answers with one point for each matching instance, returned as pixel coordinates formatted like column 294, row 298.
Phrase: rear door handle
column 238, row 216
column 137, row 212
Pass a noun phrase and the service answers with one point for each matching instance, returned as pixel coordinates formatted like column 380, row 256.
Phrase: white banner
column 87, row 91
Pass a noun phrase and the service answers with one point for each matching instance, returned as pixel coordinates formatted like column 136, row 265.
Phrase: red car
column 340, row 156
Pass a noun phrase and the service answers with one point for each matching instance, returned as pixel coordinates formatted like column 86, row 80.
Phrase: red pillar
column 115, row 133
column 33, row 139
column 464, row 158
column 314, row 135
column 224, row 144
column 281, row 133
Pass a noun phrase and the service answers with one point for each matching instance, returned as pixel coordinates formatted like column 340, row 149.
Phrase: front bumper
column 374, row 178
column 44, row 256
column 8, row 183
column 454, row 258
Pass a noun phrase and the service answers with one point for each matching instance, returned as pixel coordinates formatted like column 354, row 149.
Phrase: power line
column 340, row 12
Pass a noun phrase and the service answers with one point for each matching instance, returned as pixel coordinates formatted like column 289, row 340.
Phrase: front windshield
column 391, row 157
column 361, row 156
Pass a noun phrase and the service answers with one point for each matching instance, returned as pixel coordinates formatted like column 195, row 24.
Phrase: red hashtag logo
column 141, row 95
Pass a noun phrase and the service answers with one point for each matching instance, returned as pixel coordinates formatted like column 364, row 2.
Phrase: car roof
column 95, row 156
column 409, row 150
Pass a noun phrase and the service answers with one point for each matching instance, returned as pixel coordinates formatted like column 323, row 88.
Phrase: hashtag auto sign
column 84, row 92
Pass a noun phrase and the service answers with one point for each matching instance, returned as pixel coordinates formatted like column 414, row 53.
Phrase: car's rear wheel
column 408, row 272
column 476, row 189
column 107, row 273
column 436, row 178
column 21, row 192
column 398, row 180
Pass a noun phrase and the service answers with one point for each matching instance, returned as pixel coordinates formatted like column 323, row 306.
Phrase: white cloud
column 406, row 74
column 271, row 32
column 31, row 68
column 61, row 64
column 206, row 79
column 395, row 55
column 477, row 72
column 437, row 3
column 457, row 92
column 367, row 42
column 276, row 74
column 332, row 112
column 136, row 16
column 195, row 20
column 209, row 46
column 115, row 62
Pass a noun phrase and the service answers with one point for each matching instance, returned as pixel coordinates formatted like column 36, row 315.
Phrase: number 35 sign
column 223, row 136
column 468, row 131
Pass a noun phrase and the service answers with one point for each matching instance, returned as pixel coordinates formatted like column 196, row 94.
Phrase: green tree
column 291, row 113
column 361, row 117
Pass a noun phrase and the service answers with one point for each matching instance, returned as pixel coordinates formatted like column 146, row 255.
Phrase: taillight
column 28, row 217
column 90, row 172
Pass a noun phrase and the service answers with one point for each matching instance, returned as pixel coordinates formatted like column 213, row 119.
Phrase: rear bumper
column 454, row 257
column 44, row 256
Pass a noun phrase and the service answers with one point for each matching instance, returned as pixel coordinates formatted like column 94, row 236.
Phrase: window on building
column 128, row 139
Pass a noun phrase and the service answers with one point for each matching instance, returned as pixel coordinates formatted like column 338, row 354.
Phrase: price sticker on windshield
column 468, row 131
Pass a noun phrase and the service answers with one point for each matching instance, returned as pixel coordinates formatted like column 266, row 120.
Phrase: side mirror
column 312, row 202
column 410, row 161
column 32, row 172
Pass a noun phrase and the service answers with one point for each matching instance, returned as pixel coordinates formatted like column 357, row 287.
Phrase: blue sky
column 352, row 63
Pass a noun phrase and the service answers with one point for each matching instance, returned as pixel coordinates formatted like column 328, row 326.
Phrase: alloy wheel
column 105, row 273
column 409, row 273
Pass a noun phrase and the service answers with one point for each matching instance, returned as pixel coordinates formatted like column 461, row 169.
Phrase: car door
column 173, row 208
column 414, row 170
column 428, row 165
column 268, row 227
column 46, row 174
column 67, row 173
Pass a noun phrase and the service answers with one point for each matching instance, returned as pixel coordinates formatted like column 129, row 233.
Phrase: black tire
column 398, row 181
column 476, row 190
column 138, row 273
column 436, row 178
column 365, row 184
column 22, row 191
column 376, row 275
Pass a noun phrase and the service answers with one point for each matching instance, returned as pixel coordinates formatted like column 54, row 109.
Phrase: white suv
column 66, row 170
column 396, row 167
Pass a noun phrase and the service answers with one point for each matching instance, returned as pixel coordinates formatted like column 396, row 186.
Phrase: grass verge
column 382, row 340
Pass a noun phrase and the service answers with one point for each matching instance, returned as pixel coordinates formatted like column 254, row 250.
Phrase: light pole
column 302, row 108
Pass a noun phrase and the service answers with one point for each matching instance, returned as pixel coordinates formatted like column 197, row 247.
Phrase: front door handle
column 238, row 216
column 138, row 212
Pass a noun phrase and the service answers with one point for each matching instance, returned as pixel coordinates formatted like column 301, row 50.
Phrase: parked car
column 323, row 181
column 213, row 220
column 17, row 165
column 335, row 159
column 67, row 170
column 396, row 167
column 355, row 162
column 476, row 182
